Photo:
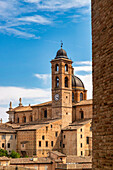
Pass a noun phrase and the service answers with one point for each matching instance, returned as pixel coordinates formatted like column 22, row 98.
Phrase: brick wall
column 102, row 46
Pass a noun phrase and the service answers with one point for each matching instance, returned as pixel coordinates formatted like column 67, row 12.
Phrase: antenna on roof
column 61, row 43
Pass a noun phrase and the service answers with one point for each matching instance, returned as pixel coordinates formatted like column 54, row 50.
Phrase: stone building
column 102, row 51
column 40, row 128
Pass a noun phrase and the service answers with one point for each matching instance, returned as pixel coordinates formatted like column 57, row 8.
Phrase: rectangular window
column 81, row 130
column 64, row 136
column 39, row 143
column 46, row 143
column 60, row 143
column 52, row 143
column 42, row 137
column 81, row 145
column 23, row 145
column 15, row 136
column 63, row 145
column 46, row 128
column 8, row 145
column 51, row 126
column 81, row 136
column 81, row 153
column 87, row 140
column 11, row 137
column 2, row 145
column 56, row 134
column 3, row 136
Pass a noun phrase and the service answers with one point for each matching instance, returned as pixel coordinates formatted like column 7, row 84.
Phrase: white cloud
column 83, row 62
column 83, row 68
column 3, row 114
column 44, row 77
column 36, row 19
column 15, row 13
column 8, row 94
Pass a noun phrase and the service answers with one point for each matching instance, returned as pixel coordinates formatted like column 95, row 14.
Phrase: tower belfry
column 62, row 87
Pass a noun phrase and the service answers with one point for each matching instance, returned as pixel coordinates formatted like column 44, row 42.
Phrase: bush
column 14, row 154
column 3, row 152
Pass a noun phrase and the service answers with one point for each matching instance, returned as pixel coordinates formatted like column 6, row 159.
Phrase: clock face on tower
column 56, row 97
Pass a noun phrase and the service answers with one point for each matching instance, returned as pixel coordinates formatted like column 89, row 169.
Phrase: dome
column 77, row 83
column 61, row 54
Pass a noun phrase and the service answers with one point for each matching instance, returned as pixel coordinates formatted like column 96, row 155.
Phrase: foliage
column 3, row 152
column 14, row 154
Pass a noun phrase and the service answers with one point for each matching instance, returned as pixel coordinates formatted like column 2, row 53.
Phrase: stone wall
column 102, row 46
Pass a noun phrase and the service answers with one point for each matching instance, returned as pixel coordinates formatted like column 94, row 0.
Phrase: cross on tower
column 61, row 43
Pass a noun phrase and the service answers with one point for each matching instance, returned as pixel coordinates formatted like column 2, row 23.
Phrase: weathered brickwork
column 102, row 47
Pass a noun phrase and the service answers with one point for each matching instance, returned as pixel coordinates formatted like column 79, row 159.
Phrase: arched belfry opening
column 57, row 81
column 66, row 67
column 57, row 67
column 66, row 81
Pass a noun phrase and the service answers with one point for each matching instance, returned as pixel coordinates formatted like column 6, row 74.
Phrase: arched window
column 31, row 118
column 72, row 97
column 82, row 114
column 66, row 82
column 57, row 82
column 66, row 67
column 45, row 113
column 56, row 67
column 18, row 120
column 81, row 96
column 24, row 119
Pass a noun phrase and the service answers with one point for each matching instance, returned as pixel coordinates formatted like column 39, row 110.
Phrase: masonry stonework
column 102, row 51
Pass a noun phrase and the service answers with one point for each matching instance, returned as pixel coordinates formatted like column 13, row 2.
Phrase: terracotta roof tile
column 84, row 102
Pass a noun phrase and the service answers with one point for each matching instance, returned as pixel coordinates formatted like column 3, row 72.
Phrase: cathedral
column 63, row 124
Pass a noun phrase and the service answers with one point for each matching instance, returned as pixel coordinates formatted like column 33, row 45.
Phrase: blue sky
column 30, row 35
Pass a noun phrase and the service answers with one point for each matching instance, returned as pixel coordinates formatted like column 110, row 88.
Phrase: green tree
column 14, row 154
column 3, row 152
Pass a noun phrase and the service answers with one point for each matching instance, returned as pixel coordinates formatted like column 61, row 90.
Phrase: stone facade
column 102, row 46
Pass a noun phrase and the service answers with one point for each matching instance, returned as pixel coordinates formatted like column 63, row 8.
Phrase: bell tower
column 62, row 87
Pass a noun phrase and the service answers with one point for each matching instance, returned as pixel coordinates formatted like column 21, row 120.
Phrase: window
column 52, row 143
column 60, row 143
column 3, row 136
column 81, row 136
column 81, row 153
column 31, row 118
column 82, row 114
column 61, row 159
column 22, row 145
column 43, row 137
column 81, row 130
column 51, row 126
column 2, row 145
column 72, row 97
column 66, row 82
column 87, row 140
column 56, row 67
column 81, row 145
column 8, row 145
column 46, row 128
column 18, row 120
column 66, row 67
column 90, row 128
column 46, row 143
column 81, row 96
column 39, row 143
column 45, row 113
column 11, row 137
column 57, row 82
column 15, row 136
column 56, row 134
column 64, row 136
column 24, row 119
column 63, row 145
column 66, row 113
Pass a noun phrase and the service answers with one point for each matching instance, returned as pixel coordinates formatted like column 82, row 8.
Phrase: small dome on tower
column 61, row 53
